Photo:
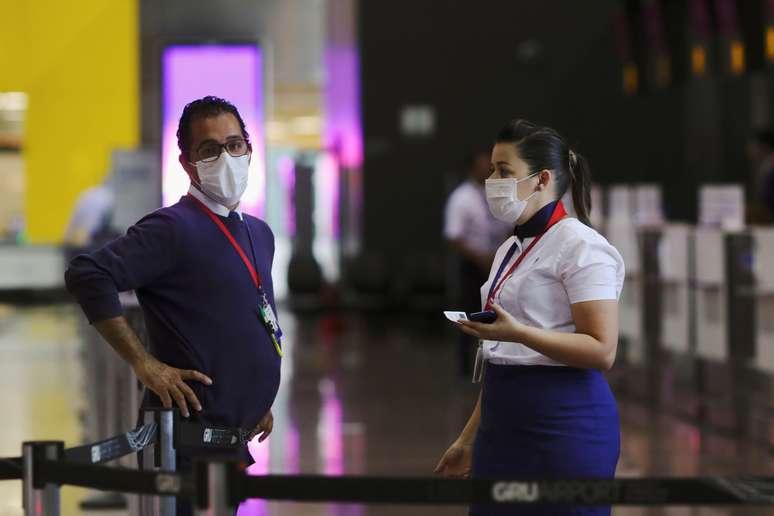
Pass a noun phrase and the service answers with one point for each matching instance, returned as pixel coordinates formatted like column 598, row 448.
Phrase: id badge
column 269, row 317
column 479, row 365
column 269, row 320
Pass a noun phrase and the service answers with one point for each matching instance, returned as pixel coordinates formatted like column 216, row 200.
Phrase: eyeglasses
column 210, row 151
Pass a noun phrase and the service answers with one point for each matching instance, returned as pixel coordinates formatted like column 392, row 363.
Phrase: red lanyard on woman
column 559, row 214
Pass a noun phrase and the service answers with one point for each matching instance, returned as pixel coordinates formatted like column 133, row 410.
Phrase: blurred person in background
column 473, row 235
column 201, row 270
column 760, row 152
column 545, row 410
column 89, row 225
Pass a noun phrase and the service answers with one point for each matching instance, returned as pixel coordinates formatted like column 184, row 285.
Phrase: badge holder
column 480, row 364
column 269, row 320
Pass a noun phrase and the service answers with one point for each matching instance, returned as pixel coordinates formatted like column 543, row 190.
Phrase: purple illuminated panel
column 343, row 132
column 343, row 135
column 261, row 455
column 233, row 72
column 329, row 431
column 287, row 173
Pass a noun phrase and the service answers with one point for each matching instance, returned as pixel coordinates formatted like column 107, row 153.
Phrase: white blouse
column 570, row 264
column 467, row 217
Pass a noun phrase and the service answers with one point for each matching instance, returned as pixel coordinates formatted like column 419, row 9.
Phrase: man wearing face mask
column 202, row 273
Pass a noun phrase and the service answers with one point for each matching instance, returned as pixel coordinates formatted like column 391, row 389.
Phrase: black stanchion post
column 40, row 499
column 214, row 488
column 161, row 455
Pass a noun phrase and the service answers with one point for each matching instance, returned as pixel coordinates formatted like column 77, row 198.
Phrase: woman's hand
column 504, row 329
column 456, row 462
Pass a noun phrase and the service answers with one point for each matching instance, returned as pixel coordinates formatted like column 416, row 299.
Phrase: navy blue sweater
column 199, row 302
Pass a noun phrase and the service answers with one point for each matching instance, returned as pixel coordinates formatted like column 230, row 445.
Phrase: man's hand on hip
column 169, row 383
column 264, row 427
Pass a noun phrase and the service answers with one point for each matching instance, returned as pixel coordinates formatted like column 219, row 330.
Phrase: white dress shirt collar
column 217, row 209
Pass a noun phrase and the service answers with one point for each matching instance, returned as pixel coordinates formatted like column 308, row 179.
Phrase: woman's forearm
column 468, row 434
column 572, row 349
column 591, row 346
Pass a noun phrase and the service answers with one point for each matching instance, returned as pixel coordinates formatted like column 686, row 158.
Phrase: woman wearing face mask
column 545, row 410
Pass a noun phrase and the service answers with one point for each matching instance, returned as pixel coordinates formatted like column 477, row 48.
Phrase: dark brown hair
column 205, row 107
column 542, row 148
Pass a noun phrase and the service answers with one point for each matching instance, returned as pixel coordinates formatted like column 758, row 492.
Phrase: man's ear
column 189, row 168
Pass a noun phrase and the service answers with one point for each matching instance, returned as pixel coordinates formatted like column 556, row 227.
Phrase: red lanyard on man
column 559, row 214
column 265, row 311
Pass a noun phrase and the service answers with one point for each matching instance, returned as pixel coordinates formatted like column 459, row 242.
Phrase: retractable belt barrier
column 187, row 434
column 10, row 468
column 628, row 491
column 219, row 485
column 44, row 466
column 162, row 483
column 115, row 447
column 415, row 491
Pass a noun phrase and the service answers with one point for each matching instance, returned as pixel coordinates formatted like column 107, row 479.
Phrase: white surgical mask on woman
column 225, row 179
column 502, row 195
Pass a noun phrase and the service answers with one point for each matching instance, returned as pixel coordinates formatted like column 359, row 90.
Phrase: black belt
column 210, row 436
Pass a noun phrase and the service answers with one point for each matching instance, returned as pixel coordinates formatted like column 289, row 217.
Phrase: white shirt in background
column 570, row 264
column 467, row 217
column 92, row 209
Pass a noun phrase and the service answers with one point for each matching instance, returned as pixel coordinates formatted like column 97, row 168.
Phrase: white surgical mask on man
column 225, row 179
column 502, row 195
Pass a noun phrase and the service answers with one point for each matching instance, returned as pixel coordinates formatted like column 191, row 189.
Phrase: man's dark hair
column 764, row 137
column 205, row 107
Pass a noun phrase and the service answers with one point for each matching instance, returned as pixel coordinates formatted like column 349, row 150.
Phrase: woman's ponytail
column 580, row 183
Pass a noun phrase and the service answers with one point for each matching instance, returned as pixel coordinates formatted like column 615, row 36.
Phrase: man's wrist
column 140, row 361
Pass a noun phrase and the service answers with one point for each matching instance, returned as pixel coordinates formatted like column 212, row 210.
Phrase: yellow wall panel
column 78, row 62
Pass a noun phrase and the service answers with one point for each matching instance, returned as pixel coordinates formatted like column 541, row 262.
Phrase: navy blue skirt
column 545, row 422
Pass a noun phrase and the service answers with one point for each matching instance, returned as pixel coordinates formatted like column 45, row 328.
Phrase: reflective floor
column 360, row 395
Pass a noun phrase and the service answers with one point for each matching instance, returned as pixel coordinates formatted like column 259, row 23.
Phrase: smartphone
column 487, row 316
